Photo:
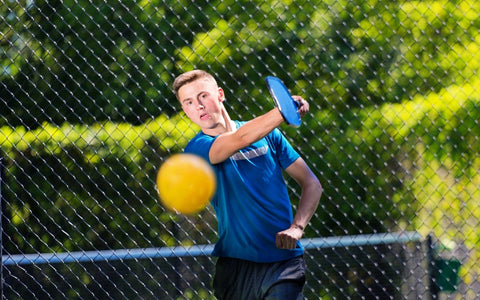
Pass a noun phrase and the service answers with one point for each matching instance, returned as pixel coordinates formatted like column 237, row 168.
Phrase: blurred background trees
column 88, row 113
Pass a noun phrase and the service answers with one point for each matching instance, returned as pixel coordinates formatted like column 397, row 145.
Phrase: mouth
column 204, row 116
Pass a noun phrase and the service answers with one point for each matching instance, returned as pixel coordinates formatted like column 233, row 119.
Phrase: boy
column 258, row 250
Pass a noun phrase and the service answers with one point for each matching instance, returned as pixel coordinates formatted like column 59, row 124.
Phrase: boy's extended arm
column 311, row 193
column 230, row 142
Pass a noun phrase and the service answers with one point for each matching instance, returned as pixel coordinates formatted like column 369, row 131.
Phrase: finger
column 304, row 105
column 290, row 244
column 297, row 98
column 278, row 241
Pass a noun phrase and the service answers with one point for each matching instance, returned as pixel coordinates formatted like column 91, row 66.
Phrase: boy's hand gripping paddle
column 283, row 100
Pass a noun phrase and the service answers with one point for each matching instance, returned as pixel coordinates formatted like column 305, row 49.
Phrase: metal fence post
column 1, row 229
column 432, row 285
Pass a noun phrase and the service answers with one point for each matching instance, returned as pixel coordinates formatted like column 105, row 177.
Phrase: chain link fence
column 88, row 116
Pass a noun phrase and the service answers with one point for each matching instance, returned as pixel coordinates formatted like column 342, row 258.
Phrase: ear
column 221, row 94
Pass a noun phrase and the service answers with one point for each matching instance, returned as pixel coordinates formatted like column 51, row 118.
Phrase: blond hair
column 191, row 76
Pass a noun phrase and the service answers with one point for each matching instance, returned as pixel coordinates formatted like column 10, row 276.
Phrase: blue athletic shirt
column 251, row 203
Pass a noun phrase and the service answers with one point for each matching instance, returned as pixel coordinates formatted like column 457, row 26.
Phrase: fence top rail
column 199, row 250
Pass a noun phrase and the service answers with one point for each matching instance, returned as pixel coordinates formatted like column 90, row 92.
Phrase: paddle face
column 283, row 100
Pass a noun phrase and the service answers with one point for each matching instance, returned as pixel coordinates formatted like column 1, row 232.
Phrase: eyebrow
column 190, row 98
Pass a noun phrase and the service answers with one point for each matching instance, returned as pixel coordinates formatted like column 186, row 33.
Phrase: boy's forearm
column 307, row 205
column 259, row 127
column 227, row 144
column 287, row 239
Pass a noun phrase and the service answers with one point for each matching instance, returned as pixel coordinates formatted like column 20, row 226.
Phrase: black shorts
column 240, row 279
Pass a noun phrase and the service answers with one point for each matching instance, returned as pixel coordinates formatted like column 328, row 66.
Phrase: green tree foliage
column 83, row 62
column 88, row 113
column 80, row 61
column 342, row 54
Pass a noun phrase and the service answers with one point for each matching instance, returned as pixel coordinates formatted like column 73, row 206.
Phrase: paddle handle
column 297, row 103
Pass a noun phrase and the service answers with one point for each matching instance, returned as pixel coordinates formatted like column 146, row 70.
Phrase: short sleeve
column 284, row 151
column 200, row 145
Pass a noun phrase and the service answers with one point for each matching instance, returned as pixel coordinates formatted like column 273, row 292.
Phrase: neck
column 229, row 124
column 225, row 125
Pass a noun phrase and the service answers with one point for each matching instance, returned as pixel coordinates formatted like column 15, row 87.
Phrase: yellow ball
column 186, row 183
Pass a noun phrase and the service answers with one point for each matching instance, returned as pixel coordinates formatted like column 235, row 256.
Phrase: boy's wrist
column 298, row 226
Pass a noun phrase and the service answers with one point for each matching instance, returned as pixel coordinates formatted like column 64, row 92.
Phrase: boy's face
column 201, row 101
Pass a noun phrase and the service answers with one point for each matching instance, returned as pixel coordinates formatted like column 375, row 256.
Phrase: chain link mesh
column 88, row 115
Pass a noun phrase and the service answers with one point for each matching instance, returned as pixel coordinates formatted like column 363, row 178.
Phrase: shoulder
column 200, row 145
